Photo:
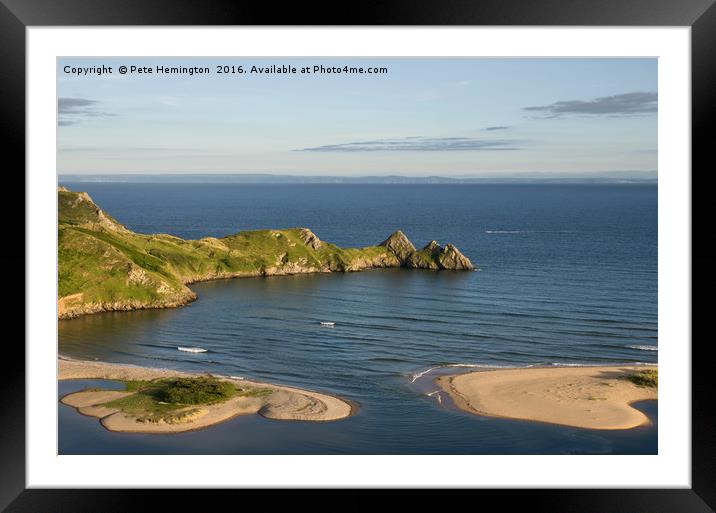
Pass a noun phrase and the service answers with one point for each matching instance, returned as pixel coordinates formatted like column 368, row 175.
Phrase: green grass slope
column 102, row 266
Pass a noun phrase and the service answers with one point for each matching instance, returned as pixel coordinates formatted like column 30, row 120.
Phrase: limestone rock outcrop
column 451, row 258
column 310, row 239
column 400, row 245
column 434, row 256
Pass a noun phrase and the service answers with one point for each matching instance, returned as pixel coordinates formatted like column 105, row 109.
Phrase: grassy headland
column 103, row 266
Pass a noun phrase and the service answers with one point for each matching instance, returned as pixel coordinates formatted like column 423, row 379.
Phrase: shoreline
column 589, row 397
column 156, row 269
column 281, row 403
column 64, row 313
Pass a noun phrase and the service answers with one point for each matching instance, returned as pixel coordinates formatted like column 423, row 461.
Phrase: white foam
column 419, row 375
column 437, row 393
column 529, row 231
column 482, row 365
column 560, row 364
column 192, row 349
column 644, row 347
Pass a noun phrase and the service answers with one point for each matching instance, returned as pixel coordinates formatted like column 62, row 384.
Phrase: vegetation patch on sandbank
column 165, row 401
column 647, row 378
column 171, row 399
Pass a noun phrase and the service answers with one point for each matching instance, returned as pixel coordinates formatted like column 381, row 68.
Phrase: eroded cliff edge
column 103, row 266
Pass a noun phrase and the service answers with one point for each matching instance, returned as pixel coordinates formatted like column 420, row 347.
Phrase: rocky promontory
column 432, row 256
column 399, row 245
column 103, row 266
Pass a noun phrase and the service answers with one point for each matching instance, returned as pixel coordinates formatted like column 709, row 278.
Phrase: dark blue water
column 568, row 276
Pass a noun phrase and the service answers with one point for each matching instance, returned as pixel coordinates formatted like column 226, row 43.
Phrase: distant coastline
column 609, row 177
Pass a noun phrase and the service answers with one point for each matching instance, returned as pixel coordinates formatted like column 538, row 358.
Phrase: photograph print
column 357, row 255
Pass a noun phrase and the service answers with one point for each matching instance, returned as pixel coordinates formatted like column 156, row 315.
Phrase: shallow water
column 568, row 276
column 441, row 431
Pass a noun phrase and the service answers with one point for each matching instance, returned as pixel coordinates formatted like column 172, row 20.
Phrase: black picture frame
column 17, row 15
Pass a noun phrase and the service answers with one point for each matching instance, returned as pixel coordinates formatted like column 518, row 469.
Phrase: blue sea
column 567, row 276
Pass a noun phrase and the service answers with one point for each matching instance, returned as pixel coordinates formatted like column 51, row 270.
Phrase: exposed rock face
column 433, row 247
column 70, row 307
column 400, row 245
column 82, row 211
column 452, row 258
column 310, row 239
column 285, row 267
column 137, row 275
column 381, row 261
column 434, row 256
column 426, row 258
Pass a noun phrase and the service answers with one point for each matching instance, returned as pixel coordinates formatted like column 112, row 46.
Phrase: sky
column 464, row 117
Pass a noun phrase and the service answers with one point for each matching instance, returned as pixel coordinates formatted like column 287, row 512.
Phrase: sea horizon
column 608, row 177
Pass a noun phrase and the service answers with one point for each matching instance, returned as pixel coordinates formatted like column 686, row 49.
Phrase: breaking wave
column 644, row 347
column 420, row 374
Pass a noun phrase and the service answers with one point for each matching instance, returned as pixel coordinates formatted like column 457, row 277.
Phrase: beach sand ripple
column 282, row 403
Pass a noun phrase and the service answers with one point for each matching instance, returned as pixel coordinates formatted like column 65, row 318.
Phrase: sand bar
column 284, row 403
column 584, row 397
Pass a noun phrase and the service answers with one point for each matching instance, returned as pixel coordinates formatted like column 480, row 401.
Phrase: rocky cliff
column 399, row 245
column 103, row 266
column 434, row 256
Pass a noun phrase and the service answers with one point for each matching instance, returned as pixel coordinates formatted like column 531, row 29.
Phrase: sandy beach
column 281, row 402
column 584, row 397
